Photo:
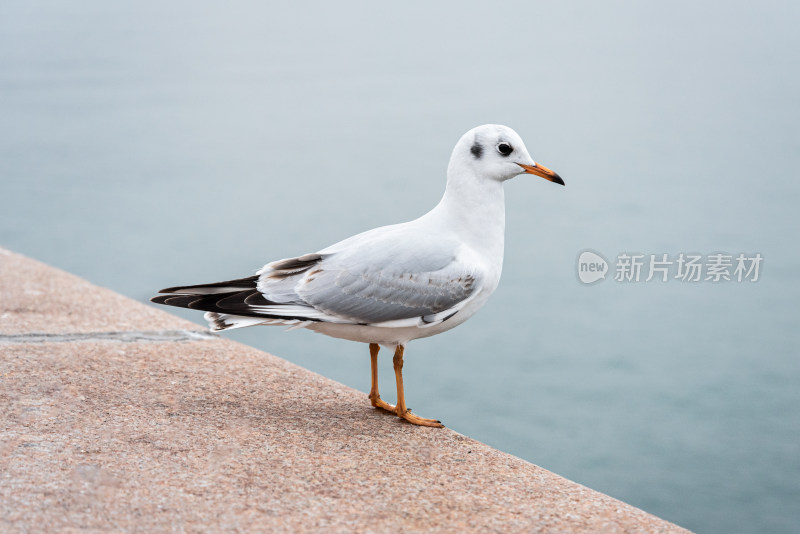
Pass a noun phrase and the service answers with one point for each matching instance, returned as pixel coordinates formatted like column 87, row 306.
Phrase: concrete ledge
column 112, row 430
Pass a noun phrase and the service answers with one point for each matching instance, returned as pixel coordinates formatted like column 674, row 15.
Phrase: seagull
column 393, row 284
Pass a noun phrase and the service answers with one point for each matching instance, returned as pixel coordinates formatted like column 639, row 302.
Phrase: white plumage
column 396, row 283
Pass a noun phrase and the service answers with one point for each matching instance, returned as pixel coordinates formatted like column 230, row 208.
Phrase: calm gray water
column 149, row 145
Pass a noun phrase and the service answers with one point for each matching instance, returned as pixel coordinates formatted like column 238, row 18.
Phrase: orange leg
column 374, row 395
column 401, row 410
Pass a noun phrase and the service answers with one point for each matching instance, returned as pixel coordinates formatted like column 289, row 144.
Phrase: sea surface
column 148, row 144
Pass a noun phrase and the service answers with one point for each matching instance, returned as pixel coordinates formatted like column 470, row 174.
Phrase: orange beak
column 544, row 172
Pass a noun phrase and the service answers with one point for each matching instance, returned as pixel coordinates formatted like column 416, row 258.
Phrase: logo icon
column 591, row 267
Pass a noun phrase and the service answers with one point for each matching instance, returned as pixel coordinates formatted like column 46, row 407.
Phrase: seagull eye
column 505, row 149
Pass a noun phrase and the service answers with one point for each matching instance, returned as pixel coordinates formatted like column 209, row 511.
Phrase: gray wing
column 390, row 278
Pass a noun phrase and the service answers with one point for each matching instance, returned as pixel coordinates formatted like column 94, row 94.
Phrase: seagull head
column 497, row 152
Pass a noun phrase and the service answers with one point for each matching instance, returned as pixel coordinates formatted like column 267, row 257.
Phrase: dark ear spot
column 477, row 150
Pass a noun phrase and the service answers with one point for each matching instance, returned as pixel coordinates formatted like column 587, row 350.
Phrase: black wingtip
column 249, row 282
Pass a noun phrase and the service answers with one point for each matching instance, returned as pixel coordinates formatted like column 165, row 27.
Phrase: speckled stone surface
column 43, row 299
column 211, row 435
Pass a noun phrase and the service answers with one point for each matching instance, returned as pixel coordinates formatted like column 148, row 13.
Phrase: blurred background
column 151, row 144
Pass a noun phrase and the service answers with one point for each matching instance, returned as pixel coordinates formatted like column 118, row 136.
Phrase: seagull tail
column 232, row 304
column 227, row 321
